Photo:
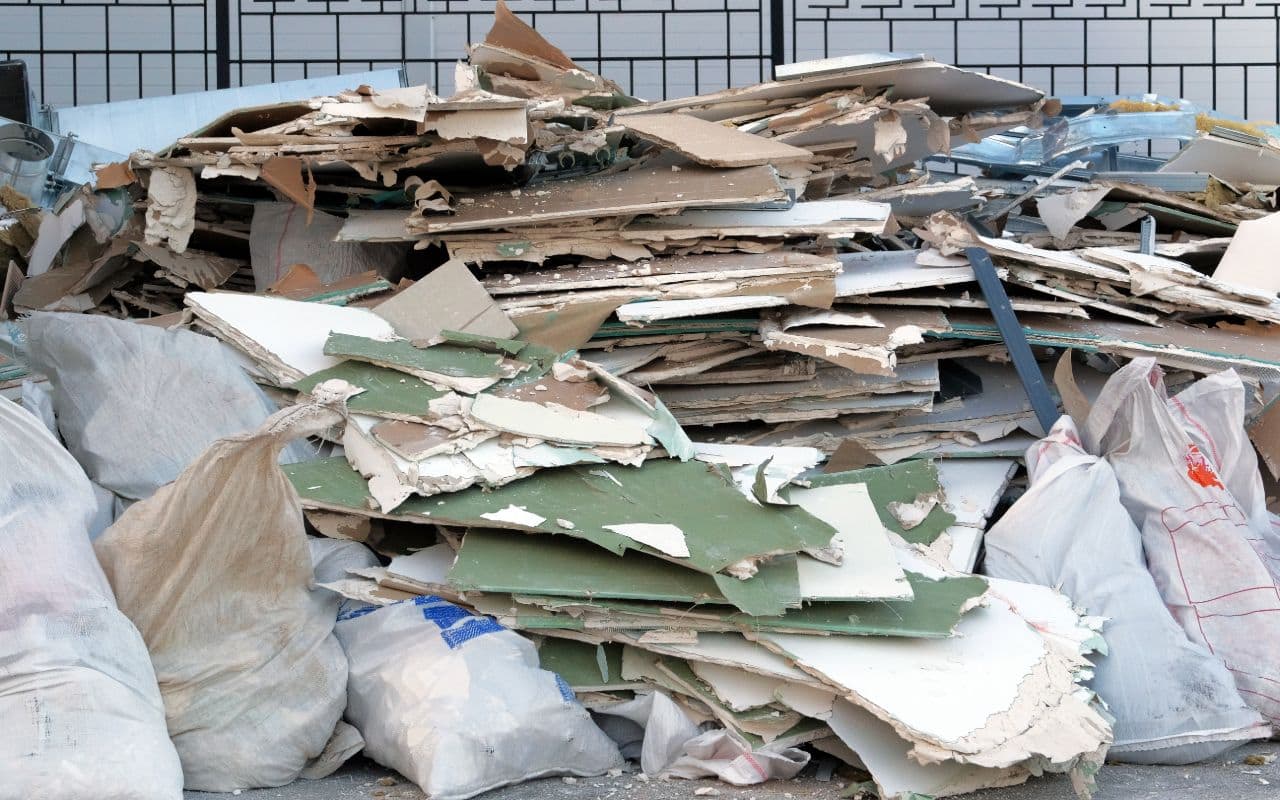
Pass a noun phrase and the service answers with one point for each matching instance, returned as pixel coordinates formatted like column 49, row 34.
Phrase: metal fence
column 1223, row 53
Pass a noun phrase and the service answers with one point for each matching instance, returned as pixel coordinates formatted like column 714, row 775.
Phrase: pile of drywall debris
column 704, row 405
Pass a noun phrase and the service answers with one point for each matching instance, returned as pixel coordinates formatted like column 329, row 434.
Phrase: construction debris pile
column 667, row 432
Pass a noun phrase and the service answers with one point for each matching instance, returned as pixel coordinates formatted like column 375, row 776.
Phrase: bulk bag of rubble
column 137, row 403
column 458, row 704
column 1207, row 551
column 82, row 716
column 1173, row 701
column 216, row 572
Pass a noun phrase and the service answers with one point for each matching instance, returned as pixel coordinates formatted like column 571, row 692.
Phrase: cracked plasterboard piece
column 556, row 423
column 516, row 514
column 869, row 569
column 1060, row 212
column 664, row 537
column 994, row 695
column 286, row 337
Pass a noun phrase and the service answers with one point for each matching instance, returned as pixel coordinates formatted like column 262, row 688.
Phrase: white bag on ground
column 1199, row 540
column 215, row 571
column 457, row 703
column 82, row 717
column 654, row 729
column 1173, row 702
column 649, row 727
column 720, row 754
column 135, row 403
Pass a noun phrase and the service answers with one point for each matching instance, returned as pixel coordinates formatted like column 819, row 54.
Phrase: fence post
column 222, row 42
column 777, row 34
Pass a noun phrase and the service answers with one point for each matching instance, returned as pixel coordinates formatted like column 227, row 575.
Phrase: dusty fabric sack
column 280, row 237
column 652, row 728
column 649, row 727
column 215, row 571
column 457, row 703
column 332, row 560
column 1211, row 412
column 1198, row 539
column 82, row 714
column 135, row 403
column 1173, row 702
column 720, row 754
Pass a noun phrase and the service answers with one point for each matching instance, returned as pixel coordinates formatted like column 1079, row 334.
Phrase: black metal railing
column 1221, row 53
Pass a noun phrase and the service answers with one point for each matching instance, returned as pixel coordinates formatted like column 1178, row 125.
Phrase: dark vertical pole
column 222, row 42
column 777, row 34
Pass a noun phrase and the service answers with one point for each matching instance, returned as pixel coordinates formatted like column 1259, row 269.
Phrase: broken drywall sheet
column 775, row 466
column 407, row 103
column 638, row 191
column 888, row 757
column 694, row 497
column 1226, row 160
column 710, row 143
column 973, row 486
column 427, row 567
column 655, row 310
column 869, row 569
column 1248, row 260
column 171, row 207
column 574, row 575
column 54, row 232
column 994, row 695
column 831, row 218
column 893, row 271
column 858, row 348
column 900, row 483
column 285, row 337
column 448, row 298
column 1060, row 212
column 951, row 91
column 512, row 33
column 663, row 537
column 461, row 369
column 291, row 177
column 13, row 279
column 388, row 393
column 556, row 423
column 739, row 689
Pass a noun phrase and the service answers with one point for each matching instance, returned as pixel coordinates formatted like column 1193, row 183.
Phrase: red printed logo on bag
column 1199, row 469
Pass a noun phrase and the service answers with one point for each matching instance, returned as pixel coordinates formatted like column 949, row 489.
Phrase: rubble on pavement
column 693, row 414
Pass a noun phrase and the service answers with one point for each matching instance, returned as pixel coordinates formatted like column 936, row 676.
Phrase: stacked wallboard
column 770, row 261
column 585, row 517
column 887, row 659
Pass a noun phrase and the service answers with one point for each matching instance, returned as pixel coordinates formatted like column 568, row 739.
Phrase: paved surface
column 1218, row 780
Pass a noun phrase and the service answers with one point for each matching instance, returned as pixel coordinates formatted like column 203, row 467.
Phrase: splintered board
column 387, row 392
column 900, row 483
column 512, row 563
column 718, row 525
